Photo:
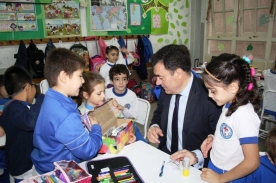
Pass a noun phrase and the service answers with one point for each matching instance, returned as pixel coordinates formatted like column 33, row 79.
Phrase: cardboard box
column 116, row 131
column 106, row 116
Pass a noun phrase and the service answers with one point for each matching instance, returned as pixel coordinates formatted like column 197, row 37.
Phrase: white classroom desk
column 148, row 160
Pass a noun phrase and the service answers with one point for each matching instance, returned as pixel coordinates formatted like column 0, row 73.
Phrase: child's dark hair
column 227, row 68
column 110, row 48
column 271, row 144
column 91, row 79
column 61, row 59
column 117, row 70
column 15, row 79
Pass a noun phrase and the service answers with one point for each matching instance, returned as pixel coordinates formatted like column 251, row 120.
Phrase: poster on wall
column 159, row 15
column 62, row 18
column 109, row 15
column 27, row 1
column 135, row 14
column 17, row 17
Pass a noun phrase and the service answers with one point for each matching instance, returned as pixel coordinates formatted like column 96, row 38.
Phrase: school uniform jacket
column 200, row 118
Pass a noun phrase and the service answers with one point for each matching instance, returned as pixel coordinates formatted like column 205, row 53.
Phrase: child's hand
column 92, row 119
column 209, row 175
column 206, row 146
column 124, row 50
column 132, row 138
column 117, row 105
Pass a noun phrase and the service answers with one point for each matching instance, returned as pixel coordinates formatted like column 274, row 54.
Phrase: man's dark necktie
column 174, row 144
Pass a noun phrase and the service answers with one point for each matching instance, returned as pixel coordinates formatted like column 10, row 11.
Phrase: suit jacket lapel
column 190, row 108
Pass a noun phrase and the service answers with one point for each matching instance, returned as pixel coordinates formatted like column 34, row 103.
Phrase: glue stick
column 186, row 166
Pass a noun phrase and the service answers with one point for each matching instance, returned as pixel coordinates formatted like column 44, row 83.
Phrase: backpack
column 21, row 56
column 147, row 92
column 137, row 90
column 96, row 62
column 148, row 52
column 131, row 82
column 83, row 52
column 35, row 61
column 50, row 45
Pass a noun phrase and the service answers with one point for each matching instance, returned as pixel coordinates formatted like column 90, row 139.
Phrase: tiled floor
column 154, row 106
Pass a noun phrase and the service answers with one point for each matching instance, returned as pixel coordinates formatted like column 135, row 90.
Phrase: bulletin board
column 138, row 21
column 27, row 1
column 38, row 34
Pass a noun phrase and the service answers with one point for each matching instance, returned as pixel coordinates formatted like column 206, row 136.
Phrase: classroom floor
column 262, row 147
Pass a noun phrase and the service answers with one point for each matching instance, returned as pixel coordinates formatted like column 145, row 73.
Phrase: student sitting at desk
column 59, row 133
column 18, row 121
column 92, row 92
column 127, row 99
column 4, row 97
column 270, row 83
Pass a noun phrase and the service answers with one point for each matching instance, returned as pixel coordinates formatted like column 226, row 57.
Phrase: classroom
column 137, row 91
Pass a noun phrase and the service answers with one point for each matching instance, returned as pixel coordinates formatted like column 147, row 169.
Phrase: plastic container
column 186, row 167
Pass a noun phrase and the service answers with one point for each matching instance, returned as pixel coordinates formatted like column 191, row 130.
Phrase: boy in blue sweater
column 59, row 133
column 18, row 121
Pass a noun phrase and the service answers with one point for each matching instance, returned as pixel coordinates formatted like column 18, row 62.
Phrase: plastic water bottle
column 186, row 166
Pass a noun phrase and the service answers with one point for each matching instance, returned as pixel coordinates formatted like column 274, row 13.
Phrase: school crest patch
column 226, row 131
column 127, row 106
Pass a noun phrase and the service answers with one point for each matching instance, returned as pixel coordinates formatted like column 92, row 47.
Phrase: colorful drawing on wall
column 17, row 17
column 110, row 16
column 229, row 20
column 178, row 24
column 220, row 46
column 263, row 19
column 22, row 1
column 135, row 14
column 62, row 18
column 249, row 47
column 29, row 1
column 159, row 15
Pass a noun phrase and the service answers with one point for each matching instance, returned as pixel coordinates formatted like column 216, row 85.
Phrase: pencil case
column 71, row 172
column 111, row 166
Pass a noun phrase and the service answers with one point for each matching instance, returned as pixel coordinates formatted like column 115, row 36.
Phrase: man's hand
column 180, row 155
column 206, row 146
column 153, row 134
column 209, row 175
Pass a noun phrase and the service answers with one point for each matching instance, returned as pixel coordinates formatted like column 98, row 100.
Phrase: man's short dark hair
column 61, row 59
column 15, row 78
column 117, row 70
column 173, row 57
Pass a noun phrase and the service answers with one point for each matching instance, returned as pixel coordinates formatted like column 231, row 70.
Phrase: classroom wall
column 179, row 33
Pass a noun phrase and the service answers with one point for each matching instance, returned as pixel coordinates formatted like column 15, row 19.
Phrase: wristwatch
column 195, row 156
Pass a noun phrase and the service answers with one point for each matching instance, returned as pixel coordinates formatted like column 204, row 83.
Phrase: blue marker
column 162, row 169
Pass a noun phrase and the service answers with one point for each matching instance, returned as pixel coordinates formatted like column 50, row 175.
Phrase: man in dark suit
column 188, row 124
